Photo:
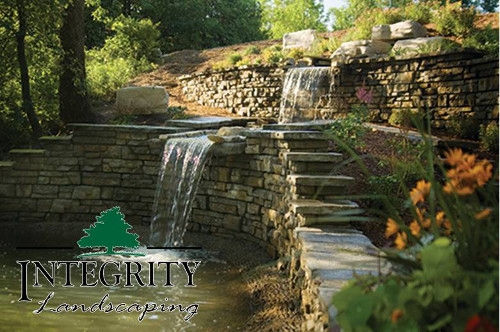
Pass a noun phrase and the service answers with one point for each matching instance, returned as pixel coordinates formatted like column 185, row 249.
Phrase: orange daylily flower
column 483, row 214
column 454, row 156
column 396, row 315
column 420, row 191
column 415, row 228
column 391, row 228
column 400, row 241
column 440, row 218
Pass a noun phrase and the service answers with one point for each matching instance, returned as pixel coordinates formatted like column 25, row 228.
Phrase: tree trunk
column 74, row 105
column 27, row 103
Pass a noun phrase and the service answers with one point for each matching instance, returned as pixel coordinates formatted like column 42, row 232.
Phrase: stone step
column 316, row 207
column 314, row 212
column 318, row 157
column 319, row 180
column 5, row 165
column 26, row 153
column 27, row 159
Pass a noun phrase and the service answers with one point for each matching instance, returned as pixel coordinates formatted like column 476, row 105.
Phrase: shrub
column 233, row 58
column 401, row 117
column 488, row 137
column 454, row 20
column 419, row 12
column 295, row 53
column 252, row 49
column 376, row 16
column 273, row 54
column 463, row 126
column 485, row 40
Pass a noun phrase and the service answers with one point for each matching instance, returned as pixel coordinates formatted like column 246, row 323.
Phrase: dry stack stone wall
column 451, row 84
column 246, row 90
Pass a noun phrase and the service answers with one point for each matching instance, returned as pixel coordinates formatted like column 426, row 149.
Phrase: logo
column 110, row 231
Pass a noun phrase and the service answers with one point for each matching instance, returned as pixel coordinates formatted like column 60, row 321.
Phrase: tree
column 110, row 230
column 74, row 105
column 27, row 102
column 282, row 16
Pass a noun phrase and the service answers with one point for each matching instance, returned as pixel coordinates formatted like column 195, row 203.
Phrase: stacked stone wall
column 448, row 85
column 453, row 84
column 246, row 90
column 76, row 177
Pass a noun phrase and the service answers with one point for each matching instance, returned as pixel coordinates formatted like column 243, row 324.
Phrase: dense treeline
column 59, row 57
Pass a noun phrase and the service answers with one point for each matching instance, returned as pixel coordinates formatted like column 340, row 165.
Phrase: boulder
column 299, row 39
column 398, row 31
column 419, row 45
column 361, row 48
column 141, row 100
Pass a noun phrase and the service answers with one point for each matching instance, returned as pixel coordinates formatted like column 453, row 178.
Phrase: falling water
column 302, row 89
column 181, row 168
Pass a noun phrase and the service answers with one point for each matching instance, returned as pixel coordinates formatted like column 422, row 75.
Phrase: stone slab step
column 291, row 135
column 318, row 125
column 319, row 180
column 316, row 207
column 19, row 153
column 6, row 164
column 318, row 157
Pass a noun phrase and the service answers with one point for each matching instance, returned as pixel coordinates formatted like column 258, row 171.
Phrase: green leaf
column 485, row 293
column 439, row 260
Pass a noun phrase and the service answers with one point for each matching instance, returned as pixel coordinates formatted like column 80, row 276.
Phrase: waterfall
column 302, row 90
column 181, row 168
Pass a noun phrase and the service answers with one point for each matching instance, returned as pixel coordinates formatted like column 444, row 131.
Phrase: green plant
column 347, row 132
column 485, row 40
column 454, row 20
column 420, row 12
column 273, row 54
column 445, row 274
column 401, row 117
column 488, row 136
column 233, row 58
column 463, row 126
column 252, row 49
column 437, row 46
column 295, row 53
column 364, row 24
column 177, row 112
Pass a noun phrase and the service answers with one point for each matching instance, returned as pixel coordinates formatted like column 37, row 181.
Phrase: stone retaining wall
column 246, row 90
column 454, row 84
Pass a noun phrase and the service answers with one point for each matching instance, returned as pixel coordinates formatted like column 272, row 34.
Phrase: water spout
column 181, row 168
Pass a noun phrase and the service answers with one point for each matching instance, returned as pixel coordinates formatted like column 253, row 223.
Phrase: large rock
column 142, row 100
column 361, row 48
column 299, row 39
column 420, row 45
column 398, row 31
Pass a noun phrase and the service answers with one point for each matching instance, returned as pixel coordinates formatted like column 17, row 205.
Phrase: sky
column 327, row 4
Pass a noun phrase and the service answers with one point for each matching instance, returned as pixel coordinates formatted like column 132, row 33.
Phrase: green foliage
column 454, row 20
column 344, row 17
column 234, row 58
column 273, row 54
column 463, row 126
column 485, row 40
column 488, row 137
column 252, row 49
column 372, row 17
column 283, row 16
column 177, row 112
column 295, row 53
column 445, row 270
column 347, row 132
column 420, row 12
column 401, row 117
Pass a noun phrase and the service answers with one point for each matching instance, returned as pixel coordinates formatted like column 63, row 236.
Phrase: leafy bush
column 233, row 58
column 420, row 12
column 122, row 57
column 295, row 53
column 252, row 49
column 485, row 40
column 401, row 117
column 273, row 54
column 445, row 262
column 463, row 126
column 488, row 137
column 454, row 20
column 364, row 24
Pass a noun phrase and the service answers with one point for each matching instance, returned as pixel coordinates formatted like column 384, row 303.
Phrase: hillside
column 192, row 61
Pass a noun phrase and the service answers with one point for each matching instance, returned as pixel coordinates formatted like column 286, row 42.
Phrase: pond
column 217, row 303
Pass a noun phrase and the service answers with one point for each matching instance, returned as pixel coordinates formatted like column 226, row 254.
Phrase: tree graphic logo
column 110, row 231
